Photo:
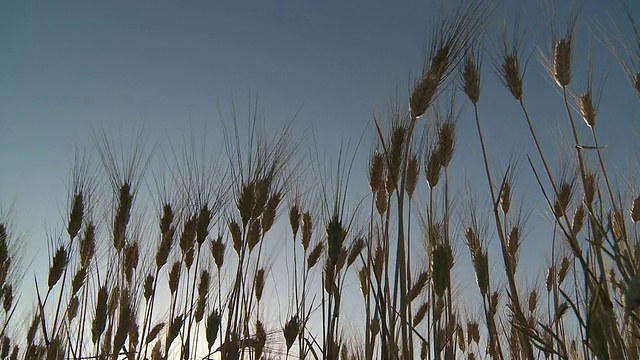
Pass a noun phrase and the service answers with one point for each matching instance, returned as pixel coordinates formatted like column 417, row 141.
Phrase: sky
column 69, row 68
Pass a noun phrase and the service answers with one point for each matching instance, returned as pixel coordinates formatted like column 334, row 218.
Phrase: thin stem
column 490, row 323
column 367, row 340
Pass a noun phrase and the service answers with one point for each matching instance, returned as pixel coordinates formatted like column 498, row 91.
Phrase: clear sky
column 68, row 68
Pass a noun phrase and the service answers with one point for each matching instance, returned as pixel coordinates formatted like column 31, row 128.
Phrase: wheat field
column 167, row 253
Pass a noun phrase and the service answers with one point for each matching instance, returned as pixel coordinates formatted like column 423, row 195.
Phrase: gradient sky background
column 69, row 68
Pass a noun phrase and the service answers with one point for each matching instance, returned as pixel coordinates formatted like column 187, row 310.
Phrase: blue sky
column 69, row 68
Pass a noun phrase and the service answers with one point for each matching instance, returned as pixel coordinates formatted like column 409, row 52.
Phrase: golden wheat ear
column 471, row 78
